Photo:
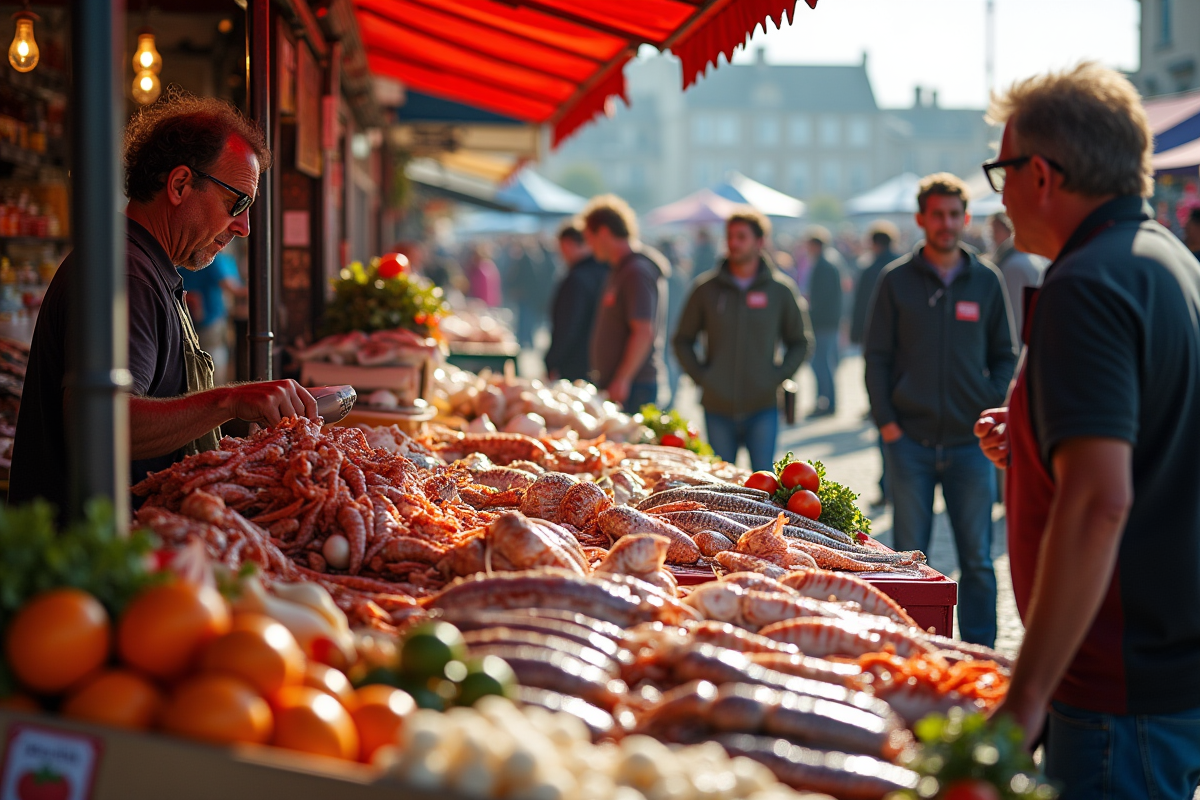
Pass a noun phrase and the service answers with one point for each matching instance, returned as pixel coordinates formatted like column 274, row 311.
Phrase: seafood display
column 376, row 349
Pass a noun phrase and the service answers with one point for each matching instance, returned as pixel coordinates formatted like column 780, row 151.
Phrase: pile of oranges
column 179, row 661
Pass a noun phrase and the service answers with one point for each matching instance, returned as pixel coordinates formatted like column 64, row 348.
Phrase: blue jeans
column 824, row 365
column 757, row 431
column 1093, row 755
column 639, row 395
column 969, row 486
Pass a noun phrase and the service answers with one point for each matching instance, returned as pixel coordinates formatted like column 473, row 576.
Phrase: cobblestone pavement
column 846, row 443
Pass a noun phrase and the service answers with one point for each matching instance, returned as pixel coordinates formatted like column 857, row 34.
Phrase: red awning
column 548, row 61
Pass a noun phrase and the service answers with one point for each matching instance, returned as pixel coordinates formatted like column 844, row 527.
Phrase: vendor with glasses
column 192, row 168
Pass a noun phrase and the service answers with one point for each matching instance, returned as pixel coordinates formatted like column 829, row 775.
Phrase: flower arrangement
column 384, row 295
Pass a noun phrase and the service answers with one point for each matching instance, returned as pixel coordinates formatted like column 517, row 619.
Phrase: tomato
column 763, row 480
column 45, row 784
column 392, row 265
column 800, row 473
column 671, row 440
column 970, row 789
column 805, row 503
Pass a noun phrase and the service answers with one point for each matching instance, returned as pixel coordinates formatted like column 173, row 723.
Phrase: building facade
column 1170, row 47
column 810, row 131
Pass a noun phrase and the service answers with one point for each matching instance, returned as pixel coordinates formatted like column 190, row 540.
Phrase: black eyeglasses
column 997, row 171
column 243, row 200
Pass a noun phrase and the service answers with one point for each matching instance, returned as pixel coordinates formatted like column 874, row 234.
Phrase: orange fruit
column 58, row 638
column 379, row 712
column 165, row 627
column 220, row 709
column 119, row 698
column 20, row 702
column 311, row 721
column 258, row 650
column 329, row 680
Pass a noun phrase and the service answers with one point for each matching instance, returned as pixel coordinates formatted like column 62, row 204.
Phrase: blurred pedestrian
column 882, row 236
column 678, row 285
column 939, row 349
column 573, row 312
column 1100, row 439
column 521, row 289
column 746, row 310
column 704, row 254
column 825, row 310
column 483, row 279
column 1191, row 231
column 629, row 332
column 1018, row 269
column 205, row 294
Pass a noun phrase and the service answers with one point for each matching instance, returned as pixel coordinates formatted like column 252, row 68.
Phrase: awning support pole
column 97, row 377
column 258, row 83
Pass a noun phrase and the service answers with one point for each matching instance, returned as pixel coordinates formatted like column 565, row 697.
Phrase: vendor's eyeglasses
column 997, row 171
column 243, row 200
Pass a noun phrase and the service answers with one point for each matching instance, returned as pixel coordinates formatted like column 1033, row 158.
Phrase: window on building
column 1165, row 9
column 831, row 131
column 858, row 132
column 728, row 130
column 764, row 171
column 766, row 131
column 799, row 180
column 860, row 177
column 703, row 129
column 831, row 177
column 800, row 129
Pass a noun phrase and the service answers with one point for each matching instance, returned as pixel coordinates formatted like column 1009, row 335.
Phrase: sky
column 940, row 44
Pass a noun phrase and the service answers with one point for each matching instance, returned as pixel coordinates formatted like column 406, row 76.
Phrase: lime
column 425, row 697
column 428, row 649
column 486, row 676
column 384, row 675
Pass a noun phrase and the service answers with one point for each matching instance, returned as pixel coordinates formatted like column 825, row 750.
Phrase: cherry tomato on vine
column 392, row 265
column 805, row 503
column 800, row 473
column 764, row 481
column 672, row 440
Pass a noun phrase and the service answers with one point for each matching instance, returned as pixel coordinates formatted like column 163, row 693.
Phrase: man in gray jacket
column 746, row 309
column 939, row 350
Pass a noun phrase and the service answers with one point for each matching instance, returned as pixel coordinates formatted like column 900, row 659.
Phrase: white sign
column 46, row 764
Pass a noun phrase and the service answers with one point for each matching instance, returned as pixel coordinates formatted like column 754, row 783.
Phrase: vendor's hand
column 890, row 433
column 1031, row 719
column 618, row 390
column 270, row 401
column 992, row 430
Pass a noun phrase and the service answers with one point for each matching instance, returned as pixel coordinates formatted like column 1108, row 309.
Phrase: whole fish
column 740, row 504
column 694, row 522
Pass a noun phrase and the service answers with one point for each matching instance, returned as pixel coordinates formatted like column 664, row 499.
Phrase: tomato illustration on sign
column 44, row 784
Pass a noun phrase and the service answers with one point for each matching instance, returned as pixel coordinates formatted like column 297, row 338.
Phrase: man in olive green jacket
column 746, row 309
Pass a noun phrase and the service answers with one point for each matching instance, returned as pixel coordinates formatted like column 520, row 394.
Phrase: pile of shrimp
column 979, row 680
column 323, row 506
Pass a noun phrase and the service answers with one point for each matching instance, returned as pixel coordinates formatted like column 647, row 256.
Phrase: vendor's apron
column 1095, row 679
column 198, row 366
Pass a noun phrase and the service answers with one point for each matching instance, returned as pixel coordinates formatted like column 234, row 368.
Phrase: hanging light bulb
column 146, row 87
column 23, row 53
column 146, row 57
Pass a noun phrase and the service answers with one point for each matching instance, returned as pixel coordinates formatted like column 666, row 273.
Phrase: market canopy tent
column 530, row 193
column 740, row 189
column 895, row 196
column 1175, row 121
column 548, row 61
column 698, row 208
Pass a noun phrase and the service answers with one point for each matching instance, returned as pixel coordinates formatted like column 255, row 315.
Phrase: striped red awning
column 548, row 61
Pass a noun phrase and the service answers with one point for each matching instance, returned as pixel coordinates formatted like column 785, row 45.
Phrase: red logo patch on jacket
column 756, row 300
column 966, row 311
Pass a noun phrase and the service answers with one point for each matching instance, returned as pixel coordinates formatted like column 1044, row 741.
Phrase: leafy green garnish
column 963, row 746
column 838, row 507
column 88, row 555
column 664, row 422
column 363, row 300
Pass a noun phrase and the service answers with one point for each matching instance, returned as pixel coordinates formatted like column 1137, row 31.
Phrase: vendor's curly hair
column 182, row 129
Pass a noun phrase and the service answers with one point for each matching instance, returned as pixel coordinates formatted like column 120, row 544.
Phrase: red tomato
column 800, row 473
column 393, row 265
column 764, row 481
column 45, row 784
column 970, row 789
column 805, row 503
column 672, row 440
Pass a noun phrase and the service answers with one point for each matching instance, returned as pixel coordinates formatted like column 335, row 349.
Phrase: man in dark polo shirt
column 573, row 312
column 192, row 169
column 1101, row 438
column 630, row 329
